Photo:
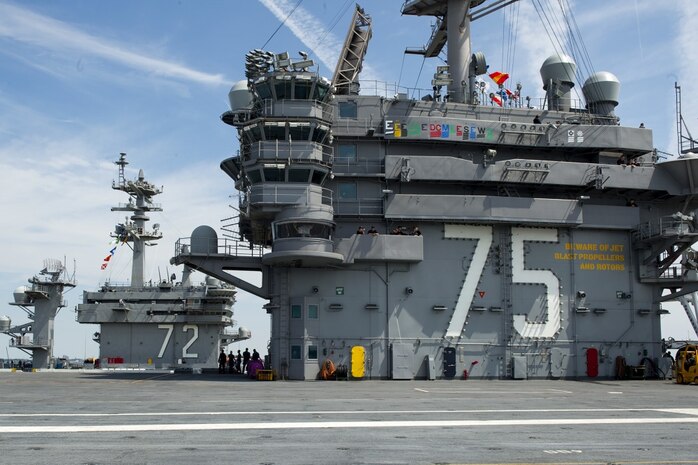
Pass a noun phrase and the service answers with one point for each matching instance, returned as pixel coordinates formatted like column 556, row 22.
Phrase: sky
column 81, row 81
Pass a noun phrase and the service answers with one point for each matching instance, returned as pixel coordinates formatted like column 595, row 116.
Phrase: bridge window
column 346, row 152
column 318, row 177
column 275, row 131
column 255, row 176
column 295, row 175
column 299, row 131
column 312, row 312
column 320, row 133
column 289, row 230
column 312, row 352
column 295, row 352
column 321, row 90
column 283, row 88
column 346, row 190
column 303, row 89
column 347, row 109
column 274, row 174
column 295, row 311
column 263, row 90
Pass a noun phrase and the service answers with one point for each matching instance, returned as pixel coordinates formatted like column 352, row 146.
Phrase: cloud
column 29, row 28
column 314, row 35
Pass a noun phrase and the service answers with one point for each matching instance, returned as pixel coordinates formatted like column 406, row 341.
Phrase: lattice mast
column 141, row 193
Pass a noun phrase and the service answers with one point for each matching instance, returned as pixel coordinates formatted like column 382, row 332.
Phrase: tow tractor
column 685, row 367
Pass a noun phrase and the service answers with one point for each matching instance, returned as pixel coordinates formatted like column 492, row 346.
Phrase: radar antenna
column 686, row 142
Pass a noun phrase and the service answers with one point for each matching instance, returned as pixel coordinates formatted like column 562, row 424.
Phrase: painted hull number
column 185, row 350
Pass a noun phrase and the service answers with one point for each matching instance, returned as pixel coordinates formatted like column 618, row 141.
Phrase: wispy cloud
column 314, row 35
column 24, row 26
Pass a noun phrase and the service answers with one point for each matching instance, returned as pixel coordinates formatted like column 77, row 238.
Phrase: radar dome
column 244, row 333
column 204, row 240
column 5, row 323
column 239, row 96
column 558, row 68
column 601, row 87
column 20, row 295
column 212, row 282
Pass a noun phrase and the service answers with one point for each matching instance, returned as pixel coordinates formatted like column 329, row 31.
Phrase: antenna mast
column 140, row 202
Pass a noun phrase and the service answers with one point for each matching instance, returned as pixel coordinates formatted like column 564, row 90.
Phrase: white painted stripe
column 420, row 390
column 615, row 392
column 683, row 411
column 339, row 424
column 348, row 412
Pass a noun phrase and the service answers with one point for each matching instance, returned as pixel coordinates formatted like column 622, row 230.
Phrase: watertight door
column 358, row 361
column 592, row 362
column 449, row 362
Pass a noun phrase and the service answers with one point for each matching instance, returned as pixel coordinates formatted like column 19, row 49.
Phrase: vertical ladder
column 686, row 143
column 284, row 310
column 505, row 296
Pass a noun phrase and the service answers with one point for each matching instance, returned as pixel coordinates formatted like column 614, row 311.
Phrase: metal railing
column 296, row 107
column 224, row 246
column 289, row 151
column 361, row 207
column 667, row 226
column 345, row 165
column 286, row 194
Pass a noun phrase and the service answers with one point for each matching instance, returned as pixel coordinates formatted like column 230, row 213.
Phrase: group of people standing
column 398, row 230
column 240, row 363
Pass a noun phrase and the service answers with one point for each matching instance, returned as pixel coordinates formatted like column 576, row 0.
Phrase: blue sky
column 81, row 81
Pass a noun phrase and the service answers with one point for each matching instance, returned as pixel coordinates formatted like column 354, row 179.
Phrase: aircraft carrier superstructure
column 41, row 301
column 168, row 324
column 422, row 237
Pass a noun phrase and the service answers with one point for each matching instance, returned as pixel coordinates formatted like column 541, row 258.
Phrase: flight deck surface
column 167, row 418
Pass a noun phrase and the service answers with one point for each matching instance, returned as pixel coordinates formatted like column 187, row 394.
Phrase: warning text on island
column 594, row 256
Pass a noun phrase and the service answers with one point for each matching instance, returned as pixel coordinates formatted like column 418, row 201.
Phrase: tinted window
column 273, row 174
column 318, row 177
column 347, row 109
column 299, row 132
column 298, row 175
column 264, row 91
column 254, row 176
column 346, row 152
column 303, row 90
column 283, row 89
column 347, row 191
column 275, row 132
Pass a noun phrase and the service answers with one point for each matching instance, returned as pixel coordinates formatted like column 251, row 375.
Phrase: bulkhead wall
column 493, row 292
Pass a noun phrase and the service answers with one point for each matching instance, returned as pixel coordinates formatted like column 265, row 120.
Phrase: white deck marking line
column 615, row 392
column 336, row 424
column 342, row 412
column 562, row 391
column 683, row 411
column 420, row 390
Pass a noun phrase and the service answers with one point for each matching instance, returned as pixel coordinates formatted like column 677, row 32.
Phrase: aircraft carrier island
column 168, row 324
column 456, row 232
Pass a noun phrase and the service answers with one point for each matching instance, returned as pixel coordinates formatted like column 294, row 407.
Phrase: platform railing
column 667, row 226
column 223, row 246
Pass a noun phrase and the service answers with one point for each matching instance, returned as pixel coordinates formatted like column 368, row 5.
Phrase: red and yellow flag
column 499, row 78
